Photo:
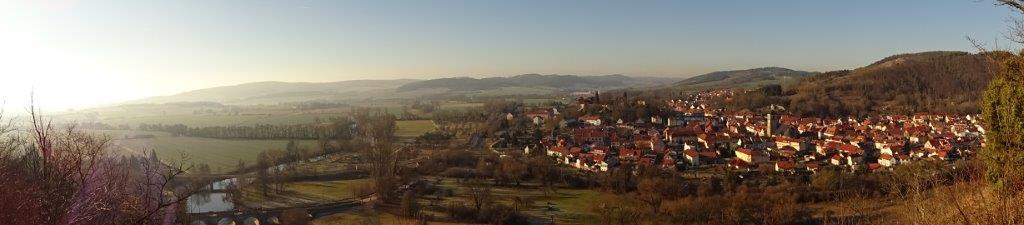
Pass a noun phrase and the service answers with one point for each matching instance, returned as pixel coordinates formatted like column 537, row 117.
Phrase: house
column 539, row 116
column 656, row 120
column 853, row 160
column 887, row 160
column 749, row 156
column 783, row 141
column 785, row 166
column 837, row 160
column 681, row 134
column 558, row 151
column 694, row 158
column 850, row 149
column 668, row 162
column 874, row 166
column 753, row 142
column 740, row 165
column 591, row 119
column 813, row 167
column 824, row 148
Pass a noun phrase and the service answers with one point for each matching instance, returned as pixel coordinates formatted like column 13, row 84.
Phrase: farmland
column 221, row 154
column 209, row 120
column 372, row 216
column 306, row 192
column 413, row 128
column 573, row 205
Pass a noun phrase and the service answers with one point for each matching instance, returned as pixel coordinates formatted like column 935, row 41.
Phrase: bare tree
column 68, row 177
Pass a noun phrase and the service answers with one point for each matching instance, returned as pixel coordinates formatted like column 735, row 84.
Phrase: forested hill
column 561, row 82
column 744, row 78
column 949, row 82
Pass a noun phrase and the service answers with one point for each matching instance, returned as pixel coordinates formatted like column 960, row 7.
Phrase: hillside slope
column 908, row 83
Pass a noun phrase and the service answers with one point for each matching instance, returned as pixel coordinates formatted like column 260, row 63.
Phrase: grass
column 306, row 192
column 573, row 205
column 221, row 154
column 413, row 128
column 540, row 101
column 460, row 105
column 370, row 216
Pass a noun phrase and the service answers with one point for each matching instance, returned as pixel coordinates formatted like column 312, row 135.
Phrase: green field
column 221, row 154
column 202, row 120
column 370, row 216
column 460, row 105
column 413, row 128
column 573, row 204
column 301, row 193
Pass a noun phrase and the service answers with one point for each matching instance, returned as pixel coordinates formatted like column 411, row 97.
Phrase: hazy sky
column 77, row 53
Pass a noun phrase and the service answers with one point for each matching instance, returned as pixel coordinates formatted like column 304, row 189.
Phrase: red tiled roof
column 737, row 163
column 709, row 155
column 874, row 166
column 691, row 153
column 785, row 165
column 747, row 151
column 851, row 149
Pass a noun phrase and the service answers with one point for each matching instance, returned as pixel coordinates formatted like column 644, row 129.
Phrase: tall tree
column 1003, row 113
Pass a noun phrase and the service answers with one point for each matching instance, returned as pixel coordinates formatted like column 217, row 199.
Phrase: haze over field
column 76, row 54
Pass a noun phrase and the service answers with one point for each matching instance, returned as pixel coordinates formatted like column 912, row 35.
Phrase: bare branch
column 1015, row 4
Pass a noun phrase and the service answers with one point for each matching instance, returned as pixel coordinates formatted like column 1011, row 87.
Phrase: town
column 694, row 136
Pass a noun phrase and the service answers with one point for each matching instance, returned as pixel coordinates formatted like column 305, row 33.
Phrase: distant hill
column 273, row 92
column 744, row 78
column 949, row 82
column 535, row 81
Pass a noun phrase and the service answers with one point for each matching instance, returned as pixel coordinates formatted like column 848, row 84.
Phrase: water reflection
column 209, row 202
column 223, row 184
column 213, row 199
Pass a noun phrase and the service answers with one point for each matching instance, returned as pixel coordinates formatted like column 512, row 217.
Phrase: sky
column 74, row 54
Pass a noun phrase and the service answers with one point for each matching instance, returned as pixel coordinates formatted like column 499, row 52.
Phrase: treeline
column 338, row 128
column 259, row 131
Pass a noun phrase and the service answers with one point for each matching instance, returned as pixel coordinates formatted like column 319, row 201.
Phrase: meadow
column 222, row 155
column 302, row 193
column 413, row 128
column 372, row 216
column 572, row 205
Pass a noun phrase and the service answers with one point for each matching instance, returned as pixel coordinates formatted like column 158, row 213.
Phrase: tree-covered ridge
column 740, row 78
column 567, row 82
column 947, row 82
column 924, row 82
